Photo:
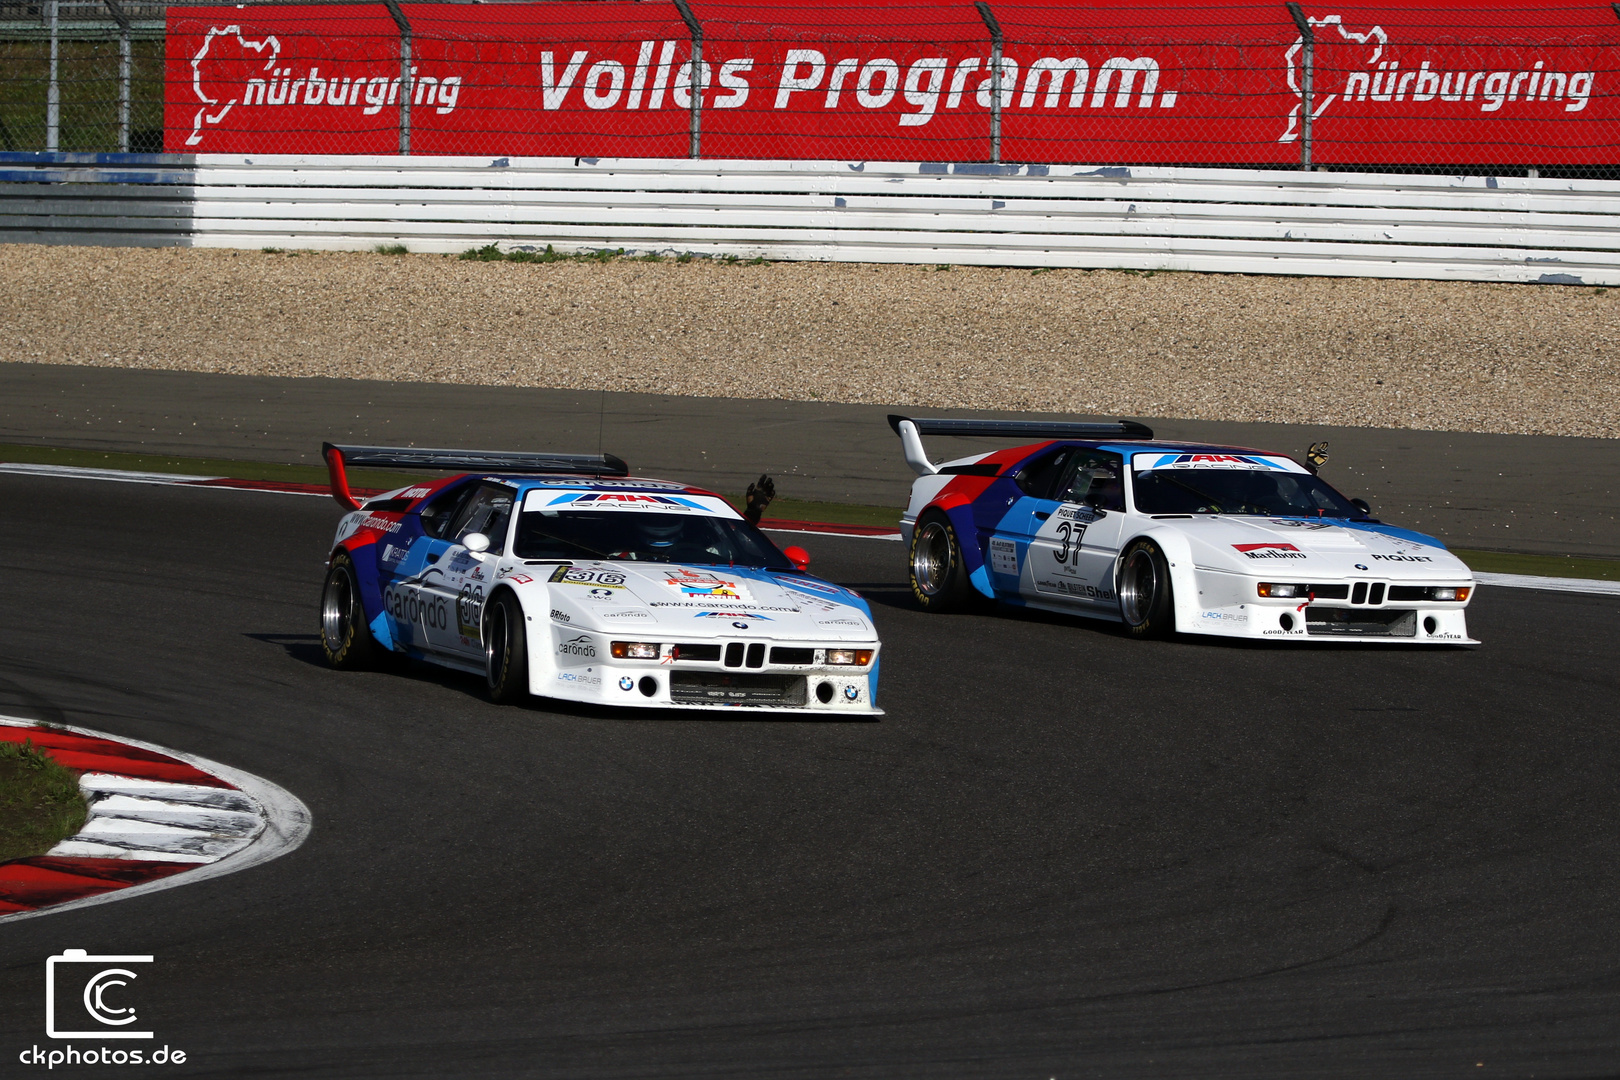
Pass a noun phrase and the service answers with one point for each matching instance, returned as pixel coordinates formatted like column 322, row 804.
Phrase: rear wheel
column 938, row 578
column 345, row 638
column 506, row 650
column 1146, row 603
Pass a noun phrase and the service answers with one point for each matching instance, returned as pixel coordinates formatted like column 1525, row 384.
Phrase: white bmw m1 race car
column 563, row 576
column 1103, row 520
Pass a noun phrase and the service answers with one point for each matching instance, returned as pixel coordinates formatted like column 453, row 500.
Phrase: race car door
column 1073, row 552
column 1007, row 548
column 454, row 584
column 404, row 566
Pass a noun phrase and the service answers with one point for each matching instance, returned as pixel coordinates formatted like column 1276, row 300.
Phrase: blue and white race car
column 563, row 576
column 1104, row 520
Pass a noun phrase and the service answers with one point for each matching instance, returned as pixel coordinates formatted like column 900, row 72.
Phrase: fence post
column 1307, row 72
column 994, row 27
column 694, row 147
column 123, row 73
column 53, row 90
column 398, row 15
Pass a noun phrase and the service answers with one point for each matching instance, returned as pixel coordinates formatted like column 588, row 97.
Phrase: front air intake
column 725, row 688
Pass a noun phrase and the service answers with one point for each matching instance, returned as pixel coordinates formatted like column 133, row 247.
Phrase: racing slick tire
column 345, row 637
column 1146, row 603
column 939, row 580
column 506, row 650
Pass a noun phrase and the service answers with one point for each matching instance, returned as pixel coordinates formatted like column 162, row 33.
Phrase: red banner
column 1448, row 84
column 282, row 80
column 1221, row 84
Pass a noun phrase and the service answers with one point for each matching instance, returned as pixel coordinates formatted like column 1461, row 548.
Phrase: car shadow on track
column 305, row 648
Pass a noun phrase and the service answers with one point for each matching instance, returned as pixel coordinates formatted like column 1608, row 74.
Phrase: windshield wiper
column 571, row 543
column 1201, row 494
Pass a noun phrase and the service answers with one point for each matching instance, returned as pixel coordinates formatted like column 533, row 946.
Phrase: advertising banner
column 1454, row 84
column 245, row 80
column 1220, row 84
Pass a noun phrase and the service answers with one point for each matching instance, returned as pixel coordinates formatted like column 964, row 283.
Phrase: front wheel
column 506, row 650
column 938, row 578
column 1146, row 603
column 345, row 638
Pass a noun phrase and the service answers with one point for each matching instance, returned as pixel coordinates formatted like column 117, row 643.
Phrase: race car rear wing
column 410, row 457
column 911, row 430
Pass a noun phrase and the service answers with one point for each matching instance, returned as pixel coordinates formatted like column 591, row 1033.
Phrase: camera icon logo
column 92, row 993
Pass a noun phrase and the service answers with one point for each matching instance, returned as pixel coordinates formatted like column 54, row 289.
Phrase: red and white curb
column 158, row 818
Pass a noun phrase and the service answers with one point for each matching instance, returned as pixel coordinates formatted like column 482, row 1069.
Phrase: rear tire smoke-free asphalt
column 938, row 578
column 345, row 638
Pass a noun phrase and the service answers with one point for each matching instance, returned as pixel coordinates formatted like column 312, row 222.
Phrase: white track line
column 124, row 476
column 287, row 823
column 127, row 476
column 1590, row 586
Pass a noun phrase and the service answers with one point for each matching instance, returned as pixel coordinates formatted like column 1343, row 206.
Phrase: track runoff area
column 1060, row 852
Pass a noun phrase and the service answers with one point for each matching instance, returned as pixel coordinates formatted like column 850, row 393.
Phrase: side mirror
column 477, row 543
column 799, row 557
column 1362, row 504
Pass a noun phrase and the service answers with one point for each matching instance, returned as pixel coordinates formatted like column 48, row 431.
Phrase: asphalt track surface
column 1062, row 853
column 1539, row 494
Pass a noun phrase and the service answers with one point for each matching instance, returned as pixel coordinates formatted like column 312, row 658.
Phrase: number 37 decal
column 1071, row 533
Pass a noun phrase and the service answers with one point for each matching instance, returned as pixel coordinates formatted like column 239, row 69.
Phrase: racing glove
column 760, row 494
column 1316, row 456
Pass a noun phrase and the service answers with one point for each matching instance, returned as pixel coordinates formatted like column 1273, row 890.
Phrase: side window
column 1094, row 479
column 1039, row 477
column 487, row 512
column 441, row 510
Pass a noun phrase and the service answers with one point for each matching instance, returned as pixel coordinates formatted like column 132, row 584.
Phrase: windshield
column 1239, row 491
column 644, row 537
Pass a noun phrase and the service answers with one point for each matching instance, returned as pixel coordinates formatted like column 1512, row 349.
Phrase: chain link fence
column 1453, row 88
column 81, row 75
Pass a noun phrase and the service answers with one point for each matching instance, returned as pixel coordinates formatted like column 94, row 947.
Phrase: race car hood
column 700, row 601
column 1323, row 548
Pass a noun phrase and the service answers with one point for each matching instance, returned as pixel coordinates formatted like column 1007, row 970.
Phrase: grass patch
column 493, row 253
column 88, row 81
column 392, row 249
column 792, row 509
column 833, row 513
column 1565, row 566
column 40, row 801
column 190, row 466
column 1489, row 562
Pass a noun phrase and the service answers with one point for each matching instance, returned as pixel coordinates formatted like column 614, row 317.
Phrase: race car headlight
column 1279, row 592
column 849, row 657
column 1449, row 593
column 634, row 650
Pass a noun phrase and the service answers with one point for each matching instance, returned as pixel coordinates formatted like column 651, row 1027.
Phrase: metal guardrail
column 1227, row 220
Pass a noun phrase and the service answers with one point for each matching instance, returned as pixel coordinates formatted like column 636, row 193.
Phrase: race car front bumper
column 1363, row 610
